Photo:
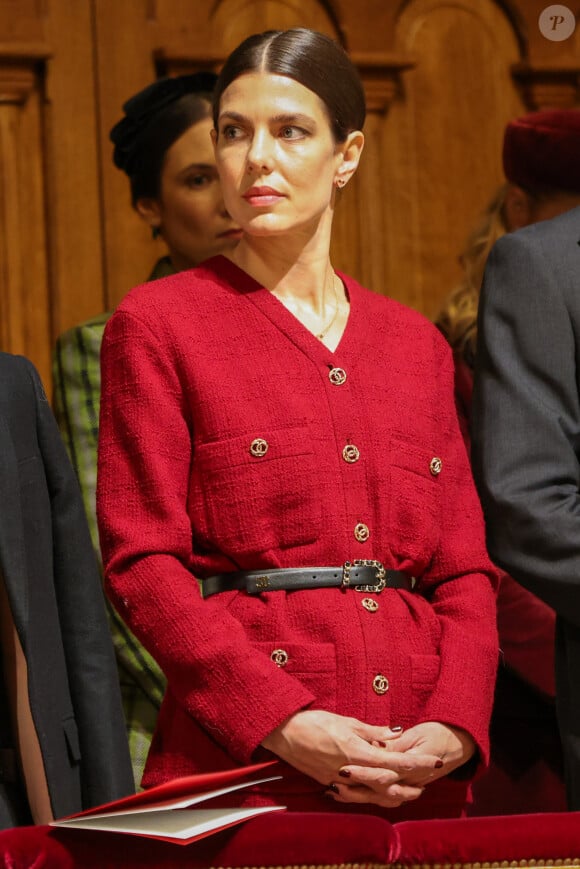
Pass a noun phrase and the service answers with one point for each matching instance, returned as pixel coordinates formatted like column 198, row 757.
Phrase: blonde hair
column 457, row 319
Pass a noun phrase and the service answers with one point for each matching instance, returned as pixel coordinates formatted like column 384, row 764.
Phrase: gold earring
column 340, row 182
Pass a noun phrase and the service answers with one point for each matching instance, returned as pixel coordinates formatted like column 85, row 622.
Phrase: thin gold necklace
column 327, row 328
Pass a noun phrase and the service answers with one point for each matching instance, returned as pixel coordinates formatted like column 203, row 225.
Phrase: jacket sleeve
column 461, row 584
column 145, row 454
column 106, row 768
column 77, row 396
column 526, row 433
column 526, row 627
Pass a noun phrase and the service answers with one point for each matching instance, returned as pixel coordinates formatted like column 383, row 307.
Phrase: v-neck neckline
column 353, row 336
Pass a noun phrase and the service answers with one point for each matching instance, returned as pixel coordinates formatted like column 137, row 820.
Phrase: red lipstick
column 262, row 195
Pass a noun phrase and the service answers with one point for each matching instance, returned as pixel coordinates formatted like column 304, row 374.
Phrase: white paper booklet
column 165, row 812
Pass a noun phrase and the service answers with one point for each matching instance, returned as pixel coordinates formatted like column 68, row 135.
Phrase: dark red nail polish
column 397, row 729
column 438, row 764
column 333, row 788
column 345, row 773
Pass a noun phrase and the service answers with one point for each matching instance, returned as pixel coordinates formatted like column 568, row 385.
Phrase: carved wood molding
column 167, row 63
column 381, row 76
column 548, row 86
column 18, row 71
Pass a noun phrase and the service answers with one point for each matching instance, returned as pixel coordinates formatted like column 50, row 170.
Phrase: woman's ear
column 350, row 151
column 148, row 209
column 517, row 208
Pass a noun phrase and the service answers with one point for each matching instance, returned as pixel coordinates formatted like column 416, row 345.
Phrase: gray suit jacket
column 526, row 435
column 54, row 592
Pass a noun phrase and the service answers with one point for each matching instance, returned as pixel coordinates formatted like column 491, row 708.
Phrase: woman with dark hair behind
column 163, row 145
column 289, row 439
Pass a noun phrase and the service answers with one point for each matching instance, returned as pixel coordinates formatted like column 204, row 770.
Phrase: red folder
column 165, row 812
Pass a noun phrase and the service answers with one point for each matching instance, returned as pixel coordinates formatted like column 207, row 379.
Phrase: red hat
column 542, row 150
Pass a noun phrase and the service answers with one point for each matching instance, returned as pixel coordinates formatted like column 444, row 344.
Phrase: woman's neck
column 292, row 266
column 303, row 279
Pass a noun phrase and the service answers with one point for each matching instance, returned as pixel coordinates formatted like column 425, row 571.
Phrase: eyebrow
column 284, row 118
column 198, row 167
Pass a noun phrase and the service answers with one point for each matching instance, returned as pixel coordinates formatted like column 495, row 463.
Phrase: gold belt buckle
column 364, row 562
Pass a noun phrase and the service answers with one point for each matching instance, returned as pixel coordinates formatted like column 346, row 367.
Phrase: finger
column 361, row 753
column 376, row 777
column 422, row 780
column 419, row 781
column 390, row 738
column 394, row 762
column 391, row 797
column 377, row 735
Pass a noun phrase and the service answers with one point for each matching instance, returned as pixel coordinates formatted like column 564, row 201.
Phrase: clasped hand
column 366, row 763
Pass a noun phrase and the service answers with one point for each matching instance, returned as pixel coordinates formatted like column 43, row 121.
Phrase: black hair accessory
column 144, row 107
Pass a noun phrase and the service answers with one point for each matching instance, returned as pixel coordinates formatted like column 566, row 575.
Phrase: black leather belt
column 361, row 575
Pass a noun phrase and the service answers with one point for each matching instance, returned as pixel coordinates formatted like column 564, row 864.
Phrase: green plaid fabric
column 77, row 393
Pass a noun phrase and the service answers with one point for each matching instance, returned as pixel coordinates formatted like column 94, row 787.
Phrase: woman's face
column 190, row 210
column 276, row 154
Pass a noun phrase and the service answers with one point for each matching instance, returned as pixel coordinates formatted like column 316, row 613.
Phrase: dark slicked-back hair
column 310, row 58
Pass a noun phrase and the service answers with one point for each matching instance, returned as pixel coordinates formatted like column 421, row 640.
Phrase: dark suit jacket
column 54, row 591
column 526, row 436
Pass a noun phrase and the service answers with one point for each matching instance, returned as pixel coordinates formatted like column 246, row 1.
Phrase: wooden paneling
column 125, row 64
column 445, row 133
column 24, row 284
column 74, row 209
column 442, row 77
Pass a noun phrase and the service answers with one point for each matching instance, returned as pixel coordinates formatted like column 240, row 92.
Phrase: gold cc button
column 259, row 447
column 351, row 454
column 380, row 684
column 280, row 657
column 435, row 465
column 361, row 532
column 370, row 604
column 337, row 376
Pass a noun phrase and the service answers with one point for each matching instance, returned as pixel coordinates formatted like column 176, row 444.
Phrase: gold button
column 361, row 532
column 350, row 454
column 280, row 657
column 337, row 376
column 370, row 604
column 435, row 465
column 259, row 447
column 380, row 684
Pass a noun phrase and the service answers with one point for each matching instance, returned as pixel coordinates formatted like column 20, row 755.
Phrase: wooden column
column 24, row 307
column 360, row 239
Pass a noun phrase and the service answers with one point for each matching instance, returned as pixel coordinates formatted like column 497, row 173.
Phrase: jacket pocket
column 314, row 665
column 414, row 502
column 255, row 492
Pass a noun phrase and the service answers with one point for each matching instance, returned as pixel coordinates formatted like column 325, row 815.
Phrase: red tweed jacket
column 195, row 368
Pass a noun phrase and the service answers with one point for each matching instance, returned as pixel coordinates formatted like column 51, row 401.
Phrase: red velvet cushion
column 483, row 840
column 309, row 839
column 271, row 840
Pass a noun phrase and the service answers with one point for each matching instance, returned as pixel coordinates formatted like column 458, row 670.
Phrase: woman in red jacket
column 286, row 441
